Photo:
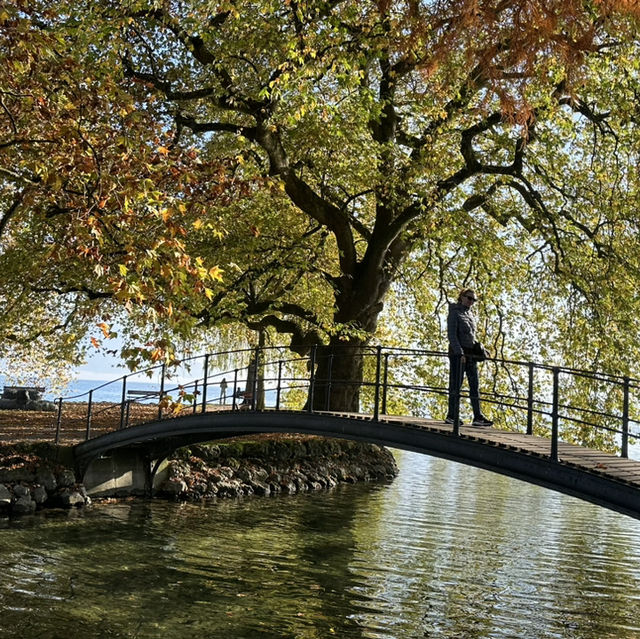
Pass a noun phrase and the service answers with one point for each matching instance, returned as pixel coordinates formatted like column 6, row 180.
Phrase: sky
column 101, row 367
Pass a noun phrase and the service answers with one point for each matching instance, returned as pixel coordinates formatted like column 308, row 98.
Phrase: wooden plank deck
column 587, row 459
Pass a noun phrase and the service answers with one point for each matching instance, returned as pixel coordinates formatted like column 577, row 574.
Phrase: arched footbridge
column 563, row 429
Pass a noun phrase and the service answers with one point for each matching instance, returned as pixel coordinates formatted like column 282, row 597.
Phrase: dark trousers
column 457, row 370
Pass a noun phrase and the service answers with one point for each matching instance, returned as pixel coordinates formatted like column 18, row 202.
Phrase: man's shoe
column 482, row 421
column 449, row 420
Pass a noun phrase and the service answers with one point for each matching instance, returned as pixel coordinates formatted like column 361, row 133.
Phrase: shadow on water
column 443, row 551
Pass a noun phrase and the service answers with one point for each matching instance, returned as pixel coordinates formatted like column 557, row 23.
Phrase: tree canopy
column 327, row 157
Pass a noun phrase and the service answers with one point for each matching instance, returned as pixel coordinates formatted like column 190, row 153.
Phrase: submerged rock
column 23, row 506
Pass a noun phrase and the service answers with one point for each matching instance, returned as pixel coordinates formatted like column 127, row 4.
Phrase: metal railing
column 561, row 403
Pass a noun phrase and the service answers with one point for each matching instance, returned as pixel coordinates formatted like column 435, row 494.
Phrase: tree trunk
column 338, row 376
column 255, row 380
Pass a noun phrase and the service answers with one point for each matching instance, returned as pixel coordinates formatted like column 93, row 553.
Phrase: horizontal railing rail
column 275, row 378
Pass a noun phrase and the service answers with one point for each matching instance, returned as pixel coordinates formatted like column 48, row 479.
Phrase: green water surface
column 443, row 551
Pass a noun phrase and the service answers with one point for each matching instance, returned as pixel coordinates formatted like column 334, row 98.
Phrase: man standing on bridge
column 461, row 331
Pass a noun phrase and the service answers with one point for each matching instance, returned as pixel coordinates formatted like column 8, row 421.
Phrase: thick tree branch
column 8, row 214
column 211, row 127
column 66, row 290
column 26, row 141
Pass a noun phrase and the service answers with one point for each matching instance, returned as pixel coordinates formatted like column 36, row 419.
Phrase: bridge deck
column 593, row 461
column 38, row 426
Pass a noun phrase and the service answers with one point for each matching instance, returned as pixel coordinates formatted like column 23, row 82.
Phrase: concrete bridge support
column 123, row 472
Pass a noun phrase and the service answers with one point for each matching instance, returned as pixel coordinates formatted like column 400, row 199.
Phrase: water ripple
column 443, row 551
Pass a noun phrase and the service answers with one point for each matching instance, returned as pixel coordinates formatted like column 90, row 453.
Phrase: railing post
column 624, row 450
column 329, row 383
column 312, row 378
column 161, row 395
column 205, row 383
column 89, row 409
column 385, row 383
column 195, row 396
column 554, row 415
column 59, row 420
column 279, row 385
column 123, row 407
column 234, row 404
column 530, row 401
column 376, row 405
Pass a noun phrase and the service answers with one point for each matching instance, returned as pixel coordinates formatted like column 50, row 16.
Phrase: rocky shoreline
column 273, row 465
column 32, row 477
column 38, row 476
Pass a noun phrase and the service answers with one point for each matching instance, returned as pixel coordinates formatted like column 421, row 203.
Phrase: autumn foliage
column 289, row 166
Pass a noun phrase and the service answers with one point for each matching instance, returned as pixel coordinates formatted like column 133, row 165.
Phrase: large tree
column 383, row 127
column 370, row 137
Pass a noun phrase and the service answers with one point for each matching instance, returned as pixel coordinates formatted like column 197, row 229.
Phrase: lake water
column 444, row 550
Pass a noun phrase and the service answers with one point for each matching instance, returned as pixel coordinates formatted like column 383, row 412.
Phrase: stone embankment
column 273, row 465
column 36, row 476
column 31, row 479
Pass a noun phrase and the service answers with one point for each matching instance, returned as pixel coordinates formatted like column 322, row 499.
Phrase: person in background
column 223, row 391
column 461, row 331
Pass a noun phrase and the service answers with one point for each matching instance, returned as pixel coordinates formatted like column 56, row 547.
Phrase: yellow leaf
column 123, row 270
column 215, row 273
column 163, row 150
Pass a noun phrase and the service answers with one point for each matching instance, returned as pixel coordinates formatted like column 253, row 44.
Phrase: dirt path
column 31, row 426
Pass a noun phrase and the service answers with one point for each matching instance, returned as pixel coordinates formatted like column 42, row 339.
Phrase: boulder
column 260, row 488
column 39, row 495
column 66, row 478
column 24, row 506
column 229, row 488
column 174, row 486
column 71, row 499
column 21, row 491
column 46, row 478
column 5, row 496
column 245, row 475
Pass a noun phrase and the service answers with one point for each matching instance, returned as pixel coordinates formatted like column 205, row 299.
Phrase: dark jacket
column 461, row 328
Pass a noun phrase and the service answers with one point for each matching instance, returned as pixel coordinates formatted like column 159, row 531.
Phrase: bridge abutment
column 122, row 473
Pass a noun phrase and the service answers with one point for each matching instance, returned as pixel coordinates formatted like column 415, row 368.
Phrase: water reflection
column 443, row 551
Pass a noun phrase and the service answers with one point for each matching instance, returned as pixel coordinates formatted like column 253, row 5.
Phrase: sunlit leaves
column 94, row 205
column 278, row 163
